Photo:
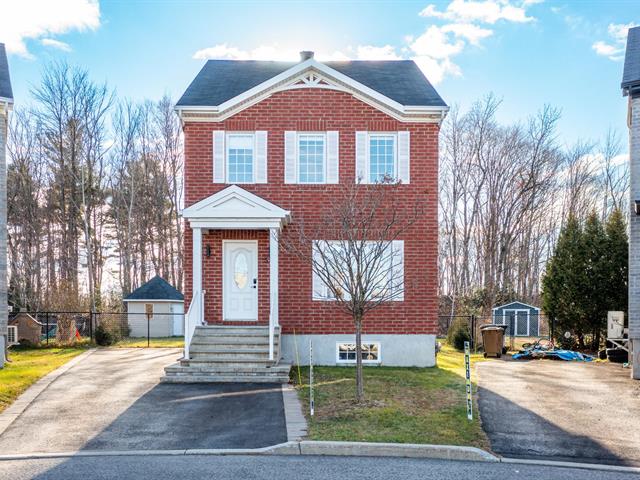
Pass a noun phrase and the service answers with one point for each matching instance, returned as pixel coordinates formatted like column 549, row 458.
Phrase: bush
column 458, row 334
column 106, row 335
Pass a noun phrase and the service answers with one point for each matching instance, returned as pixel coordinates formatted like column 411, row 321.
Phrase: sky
column 568, row 54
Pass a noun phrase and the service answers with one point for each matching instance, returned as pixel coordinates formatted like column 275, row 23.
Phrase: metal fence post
column 91, row 318
column 47, row 327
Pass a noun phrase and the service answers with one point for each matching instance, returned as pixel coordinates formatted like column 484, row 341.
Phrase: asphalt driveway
column 576, row 411
column 113, row 400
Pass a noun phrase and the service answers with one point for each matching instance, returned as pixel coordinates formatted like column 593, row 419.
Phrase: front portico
column 237, row 220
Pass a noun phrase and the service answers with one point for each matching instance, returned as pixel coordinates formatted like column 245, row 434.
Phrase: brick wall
column 319, row 110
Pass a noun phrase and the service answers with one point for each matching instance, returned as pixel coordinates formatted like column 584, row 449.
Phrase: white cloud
column 470, row 32
column 50, row 42
column 615, row 46
column 35, row 19
column 433, row 50
column 485, row 11
column 369, row 52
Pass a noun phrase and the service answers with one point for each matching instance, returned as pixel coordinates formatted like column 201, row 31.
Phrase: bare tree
column 352, row 252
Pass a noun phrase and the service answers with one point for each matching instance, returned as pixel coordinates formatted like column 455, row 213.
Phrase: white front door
column 240, row 280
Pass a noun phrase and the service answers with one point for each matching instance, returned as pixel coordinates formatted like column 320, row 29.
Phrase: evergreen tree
column 596, row 288
column 618, row 261
column 564, row 279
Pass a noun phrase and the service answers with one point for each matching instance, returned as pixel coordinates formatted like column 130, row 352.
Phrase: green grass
column 28, row 365
column 158, row 342
column 402, row 405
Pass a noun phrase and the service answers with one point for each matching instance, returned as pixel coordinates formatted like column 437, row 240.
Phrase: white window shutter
column 333, row 157
column 260, row 163
column 398, row 269
column 290, row 160
column 403, row 156
column 319, row 289
column 362, row 155
column 218, row 157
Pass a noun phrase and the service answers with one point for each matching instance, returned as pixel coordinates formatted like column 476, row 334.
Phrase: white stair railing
column 191, row 320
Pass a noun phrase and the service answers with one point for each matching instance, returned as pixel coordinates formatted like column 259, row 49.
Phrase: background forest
column 95, row 191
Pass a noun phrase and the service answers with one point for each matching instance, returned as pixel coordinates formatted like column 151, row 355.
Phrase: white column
column 197, row 266
column 273, row 274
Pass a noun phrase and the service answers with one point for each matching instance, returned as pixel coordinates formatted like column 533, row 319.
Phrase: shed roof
column 631, row 74
column 155, row 289
column 222, row 80
column 516, row 303
column 5, row 81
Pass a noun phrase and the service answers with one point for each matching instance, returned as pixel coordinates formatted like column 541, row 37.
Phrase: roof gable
column 224, row 87
column 516, row 304
column 221, row 80
column 155, row 289
column 5, row 81
column 631, row 75
column 235, row 204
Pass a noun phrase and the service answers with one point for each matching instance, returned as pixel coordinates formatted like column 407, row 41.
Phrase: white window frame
column 327, row 296
column 515, row 320
column 229, row 135
column 353, row 362
column 371, row 135
column 324, row 156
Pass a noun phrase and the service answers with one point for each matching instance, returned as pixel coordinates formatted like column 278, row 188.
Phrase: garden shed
column 163, row 302
column 523, row 319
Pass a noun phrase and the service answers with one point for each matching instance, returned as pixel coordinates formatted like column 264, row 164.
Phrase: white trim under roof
column 235, row 208
column 512, row 303
column 152, row 300
column 330, row 79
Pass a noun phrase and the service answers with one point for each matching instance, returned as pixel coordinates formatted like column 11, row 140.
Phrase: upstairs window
column 311, row 158
column 240, row 158
column 382, row 158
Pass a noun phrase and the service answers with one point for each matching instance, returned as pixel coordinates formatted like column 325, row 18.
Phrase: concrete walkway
column 112, row 400
column 585, row 412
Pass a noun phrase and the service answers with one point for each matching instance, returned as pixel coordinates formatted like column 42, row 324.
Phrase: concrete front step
column 227, row 345
column 230, row 353
column 239, row 337
column 224, row 379
column 231, row 330
column 236, row 362
column 223, row 369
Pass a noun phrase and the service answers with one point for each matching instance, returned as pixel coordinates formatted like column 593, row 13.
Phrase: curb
column 354, row 449
column 9, row 415
column 442, row 452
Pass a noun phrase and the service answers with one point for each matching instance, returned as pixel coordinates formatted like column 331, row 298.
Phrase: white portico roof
column 235, row 208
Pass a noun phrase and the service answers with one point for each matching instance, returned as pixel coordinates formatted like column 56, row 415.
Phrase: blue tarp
column 567, row 355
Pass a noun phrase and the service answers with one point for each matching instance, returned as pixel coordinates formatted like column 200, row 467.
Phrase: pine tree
column 618, row 265
column 595, row 290
column 563, row 281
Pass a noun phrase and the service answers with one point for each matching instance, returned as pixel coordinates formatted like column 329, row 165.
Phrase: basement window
column 346, row 352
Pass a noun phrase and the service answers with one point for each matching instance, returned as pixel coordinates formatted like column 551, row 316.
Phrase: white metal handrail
column 195, row 310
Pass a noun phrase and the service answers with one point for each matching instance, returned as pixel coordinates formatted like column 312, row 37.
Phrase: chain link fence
column 45, row 327
column 520, row 328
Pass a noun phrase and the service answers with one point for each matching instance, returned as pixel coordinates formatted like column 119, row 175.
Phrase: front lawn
column 157, row 342
column 28, row 365
column 403, row 405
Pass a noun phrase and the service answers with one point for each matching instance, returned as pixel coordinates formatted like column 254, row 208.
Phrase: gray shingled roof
column 155, row 289
column 5, row 81
column 222, row 80
column 631, row 75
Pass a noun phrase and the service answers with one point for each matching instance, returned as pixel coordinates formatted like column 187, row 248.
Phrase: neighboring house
column 631, row 89
column 266, row 145
column 160, row 305
column 6, row 103
column 523, row 319
column 28, row 328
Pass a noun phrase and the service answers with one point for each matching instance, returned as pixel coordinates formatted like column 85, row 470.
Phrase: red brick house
column 266, row 143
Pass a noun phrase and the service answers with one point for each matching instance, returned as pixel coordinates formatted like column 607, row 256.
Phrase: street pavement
column 196, row 467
